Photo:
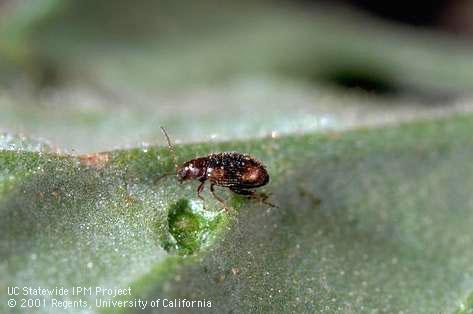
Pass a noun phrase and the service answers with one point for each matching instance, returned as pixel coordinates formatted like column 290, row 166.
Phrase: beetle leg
column 225, row 207
column 199, row 190
column 262, row 197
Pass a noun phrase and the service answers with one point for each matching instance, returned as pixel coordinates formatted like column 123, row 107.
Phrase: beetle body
column 231, row 169
column 238, row 172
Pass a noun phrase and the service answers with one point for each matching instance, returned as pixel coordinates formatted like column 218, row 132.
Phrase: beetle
column 240, row 173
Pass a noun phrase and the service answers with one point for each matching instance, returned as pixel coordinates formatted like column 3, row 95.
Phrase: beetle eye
column 182, row 174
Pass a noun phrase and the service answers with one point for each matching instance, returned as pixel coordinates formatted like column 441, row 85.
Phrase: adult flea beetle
column 238, row 172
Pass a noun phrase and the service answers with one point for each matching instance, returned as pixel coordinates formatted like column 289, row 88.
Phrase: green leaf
column 375, row 220
column 206, row 43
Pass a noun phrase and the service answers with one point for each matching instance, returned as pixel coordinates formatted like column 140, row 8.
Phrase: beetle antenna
column 171, row 148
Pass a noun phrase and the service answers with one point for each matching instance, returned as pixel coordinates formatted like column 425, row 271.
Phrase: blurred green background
column 97, row 75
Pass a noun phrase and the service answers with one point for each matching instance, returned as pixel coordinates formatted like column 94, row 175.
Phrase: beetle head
column 188, row 171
